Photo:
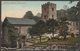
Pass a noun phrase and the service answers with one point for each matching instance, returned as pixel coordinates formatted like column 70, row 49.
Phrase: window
column 52, row 9
column 45, row 17
column 52, row 15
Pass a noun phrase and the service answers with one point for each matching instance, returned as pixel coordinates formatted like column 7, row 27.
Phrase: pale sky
column 18, row 8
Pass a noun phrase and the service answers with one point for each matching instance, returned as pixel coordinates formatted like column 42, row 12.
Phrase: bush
column 72, row 35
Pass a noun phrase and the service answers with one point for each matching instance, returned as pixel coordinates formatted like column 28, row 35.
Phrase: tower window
column 45, row 9
column 52, row 9
column 52, row 15
column 45, row 17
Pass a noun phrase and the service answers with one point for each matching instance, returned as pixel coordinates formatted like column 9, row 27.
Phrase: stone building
column 74, row 27
column 49, row 11
column 21, row 26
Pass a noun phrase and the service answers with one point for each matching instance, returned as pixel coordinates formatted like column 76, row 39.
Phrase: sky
column 19, row 8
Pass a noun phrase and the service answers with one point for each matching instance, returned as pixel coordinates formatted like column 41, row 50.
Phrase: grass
column 45, row 41
column 37, row 39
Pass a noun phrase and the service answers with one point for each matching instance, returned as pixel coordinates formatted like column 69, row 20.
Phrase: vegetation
column 13, row 35
column 63, row 27
column 75, row 12
column 29, row 15
column 52, row 25
column 45, row 41
column 72, row 13
column 38, row 29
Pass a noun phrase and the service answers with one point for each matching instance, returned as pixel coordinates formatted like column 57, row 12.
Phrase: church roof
column 20, row 21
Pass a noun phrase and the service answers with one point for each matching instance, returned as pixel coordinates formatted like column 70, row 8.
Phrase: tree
column 76, row 14
column 52, row 25
column 62, row 13
column 72, row 13
column 72, row 35
column 38, row 29
column 13, row 34
column 63, row 27
column 29, row 15
column 65, row 7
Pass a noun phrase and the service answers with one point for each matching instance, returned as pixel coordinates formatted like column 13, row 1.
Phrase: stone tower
column 49, row 11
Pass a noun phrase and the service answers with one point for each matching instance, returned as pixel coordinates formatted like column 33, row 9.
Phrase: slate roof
column 20, row 21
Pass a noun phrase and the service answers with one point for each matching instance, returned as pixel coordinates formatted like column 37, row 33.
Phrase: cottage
column 21, row 27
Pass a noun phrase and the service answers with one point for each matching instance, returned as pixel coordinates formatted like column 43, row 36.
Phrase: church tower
column 49, row 11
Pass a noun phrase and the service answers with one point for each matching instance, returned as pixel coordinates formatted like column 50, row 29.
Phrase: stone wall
column 74, row 27
column 23, row 30
column 47, row 48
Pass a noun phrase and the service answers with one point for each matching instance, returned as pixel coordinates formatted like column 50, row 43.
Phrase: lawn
column 45, row 40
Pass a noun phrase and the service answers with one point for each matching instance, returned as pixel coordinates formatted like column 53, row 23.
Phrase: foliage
column 78, row 10
column 63, row 27
column 62, row 13
column 38, row 29
column 51, row 24
column 12, row 36
column 72, row 35
column 72, row 13
column 28, row 14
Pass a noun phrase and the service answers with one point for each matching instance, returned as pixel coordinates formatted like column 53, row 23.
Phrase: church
column 23, row 24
